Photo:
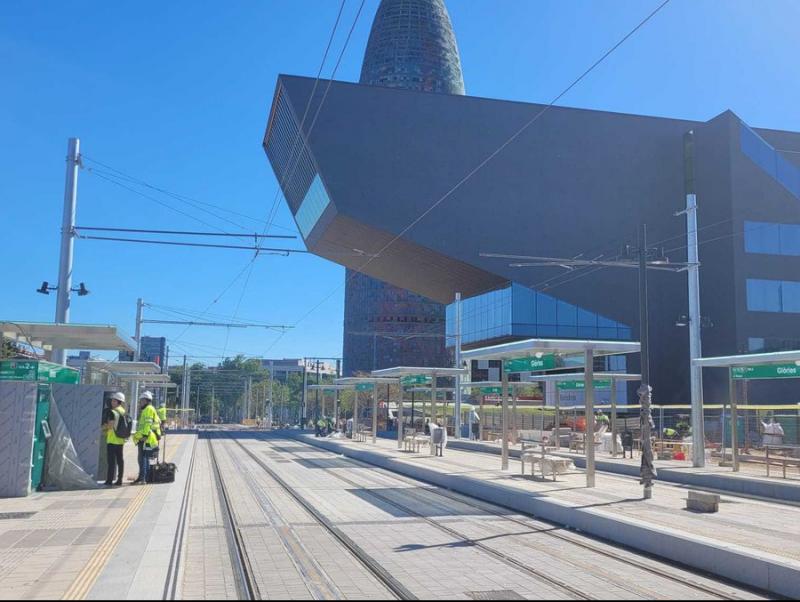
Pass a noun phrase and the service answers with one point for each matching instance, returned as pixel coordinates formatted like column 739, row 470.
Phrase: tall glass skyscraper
column 412, row 45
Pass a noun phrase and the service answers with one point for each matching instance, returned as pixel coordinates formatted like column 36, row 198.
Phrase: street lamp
column 46, row 288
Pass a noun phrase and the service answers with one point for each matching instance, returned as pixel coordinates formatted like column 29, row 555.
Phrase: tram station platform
column 104, row 544
column 751, row 541
column 749, row 481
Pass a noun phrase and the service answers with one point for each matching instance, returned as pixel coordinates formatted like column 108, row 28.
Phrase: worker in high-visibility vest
column 162, row 416
column 118, row 429
column 146, row 435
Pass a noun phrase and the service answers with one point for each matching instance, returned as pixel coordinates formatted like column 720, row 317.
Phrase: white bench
column 553, row 465
column 420, row 440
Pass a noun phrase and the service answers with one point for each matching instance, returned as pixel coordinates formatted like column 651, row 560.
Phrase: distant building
column 153, row 349
column 79, row 361
column 282, row 368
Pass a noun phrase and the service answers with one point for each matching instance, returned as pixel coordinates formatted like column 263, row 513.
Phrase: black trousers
column 115, row 463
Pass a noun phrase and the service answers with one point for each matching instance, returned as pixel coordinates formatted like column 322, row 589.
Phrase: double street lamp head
column 46, row 288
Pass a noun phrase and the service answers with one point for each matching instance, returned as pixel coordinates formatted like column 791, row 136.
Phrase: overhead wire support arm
column 219, row 324
column 255, row 235
column 569, row 263
column 270, row 250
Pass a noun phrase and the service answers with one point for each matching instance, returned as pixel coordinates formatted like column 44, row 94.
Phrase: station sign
column 492, row 390
column 415, row 379
column 571, row 385
column 766, row 371
column 38, row 370
column 530, row 363
column 365, row 386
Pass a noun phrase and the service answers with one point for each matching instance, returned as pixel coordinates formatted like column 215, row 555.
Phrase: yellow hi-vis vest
column 147, row 427
column 111, row 435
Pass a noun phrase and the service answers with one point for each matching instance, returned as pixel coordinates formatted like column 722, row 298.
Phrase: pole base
column 648, row 493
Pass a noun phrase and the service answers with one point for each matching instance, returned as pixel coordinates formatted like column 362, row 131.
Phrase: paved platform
column 96, row 544
column 434, row 543
column 751, row 480
column 753, row 542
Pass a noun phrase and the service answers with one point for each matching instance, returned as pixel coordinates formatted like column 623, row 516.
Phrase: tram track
column 371, row 565
column 485, row 508
column 246, row 585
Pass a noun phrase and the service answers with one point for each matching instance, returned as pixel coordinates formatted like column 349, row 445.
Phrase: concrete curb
column 760, row 570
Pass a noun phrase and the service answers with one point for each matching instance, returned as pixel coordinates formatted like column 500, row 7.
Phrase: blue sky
column 177, row 94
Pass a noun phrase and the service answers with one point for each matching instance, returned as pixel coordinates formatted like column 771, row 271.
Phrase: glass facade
column 770, row 160
column 312, row 207
column 772, row 239
column 520, row 311
column 770, row 344
column 775, row 296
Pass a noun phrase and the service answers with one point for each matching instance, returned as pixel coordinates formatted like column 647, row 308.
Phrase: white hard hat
column 120, row 397
column 146, row 395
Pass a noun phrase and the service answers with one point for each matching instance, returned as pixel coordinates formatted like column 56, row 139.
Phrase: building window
column 770, row 344
column 312, row 207
column 776, row 296
column 772, row 239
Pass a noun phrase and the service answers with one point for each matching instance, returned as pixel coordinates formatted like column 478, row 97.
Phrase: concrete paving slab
column 756, row 543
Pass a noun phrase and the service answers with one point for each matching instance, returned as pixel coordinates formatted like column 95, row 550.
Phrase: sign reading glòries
column 766, row 371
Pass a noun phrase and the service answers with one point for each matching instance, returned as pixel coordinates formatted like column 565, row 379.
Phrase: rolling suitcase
column 162, row 472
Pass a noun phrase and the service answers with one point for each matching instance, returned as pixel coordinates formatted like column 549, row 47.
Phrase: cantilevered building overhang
column 377, row 159
column 351, row 199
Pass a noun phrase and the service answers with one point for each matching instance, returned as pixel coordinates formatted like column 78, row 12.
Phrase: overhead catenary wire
column 289, row 174
column 160, row 202
column 113, row 172
column 322, row 64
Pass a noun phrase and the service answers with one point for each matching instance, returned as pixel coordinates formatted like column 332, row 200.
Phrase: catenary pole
column 67, row 241
column 695, row 319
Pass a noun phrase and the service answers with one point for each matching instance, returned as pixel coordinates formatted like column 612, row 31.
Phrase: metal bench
column 781, row 459
column 420, row 440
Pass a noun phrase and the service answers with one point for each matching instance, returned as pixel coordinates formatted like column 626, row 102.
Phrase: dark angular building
column 411, row 46
column 576, row 182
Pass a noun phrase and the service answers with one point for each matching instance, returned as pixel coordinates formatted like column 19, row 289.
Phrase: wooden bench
column 420, row 440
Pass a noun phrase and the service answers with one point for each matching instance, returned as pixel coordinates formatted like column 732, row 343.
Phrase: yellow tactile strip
column 86, row 578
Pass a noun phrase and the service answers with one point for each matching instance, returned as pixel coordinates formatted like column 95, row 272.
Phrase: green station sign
column 40, row 371
column 530, row 364
column 415, row 379
column 766, row 371
column 492, row 390
column 365, row 386
column 571, row 385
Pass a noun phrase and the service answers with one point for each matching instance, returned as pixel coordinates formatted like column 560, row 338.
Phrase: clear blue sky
column 177, row 94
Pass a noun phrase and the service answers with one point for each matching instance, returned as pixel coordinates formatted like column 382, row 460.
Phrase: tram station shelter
column 608, row 380
column 779, row 365
column 548, row 355
column 49, row 336
column 365, row 383
column 335, row 389
column 418, row 375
